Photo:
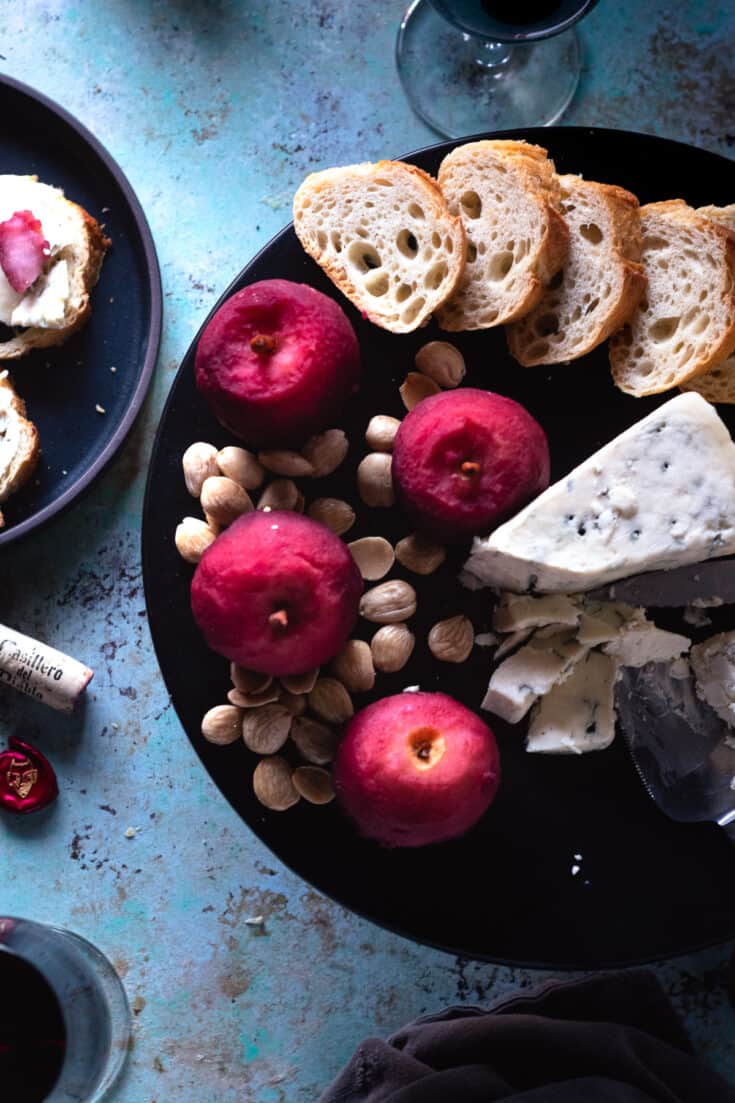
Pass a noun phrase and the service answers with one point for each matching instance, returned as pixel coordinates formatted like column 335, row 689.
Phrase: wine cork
column 41, row 671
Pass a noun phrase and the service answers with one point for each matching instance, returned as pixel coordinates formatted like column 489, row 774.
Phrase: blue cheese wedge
column 640, row 642
column 713, row 663
column 660, row 495
column 516, row 611
column 530, row 673
column 578, row 714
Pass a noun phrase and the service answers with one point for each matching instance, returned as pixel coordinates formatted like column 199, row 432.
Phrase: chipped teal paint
column 216, row 111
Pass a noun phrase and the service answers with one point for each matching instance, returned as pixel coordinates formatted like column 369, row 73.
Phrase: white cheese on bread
column 45, row 303
column 660, row 495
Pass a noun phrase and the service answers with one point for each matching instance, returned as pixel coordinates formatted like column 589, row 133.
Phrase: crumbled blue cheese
column 640, row 642
column 662, row 494
column 578, row 714
column 713, row 662
column 602, row 621
column 512, row 642
column 515, row 611
column 529, row 674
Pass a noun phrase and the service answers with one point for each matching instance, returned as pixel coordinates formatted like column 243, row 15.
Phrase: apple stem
column 278, row 620
column 470, row 468
column 263, row 343
column 424, row 752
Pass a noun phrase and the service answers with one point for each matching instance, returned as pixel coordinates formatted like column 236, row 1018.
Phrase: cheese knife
column 710, row 582
column 683, row 751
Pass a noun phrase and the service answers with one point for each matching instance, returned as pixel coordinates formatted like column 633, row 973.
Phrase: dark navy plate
column 573, row 866
column 62, row 387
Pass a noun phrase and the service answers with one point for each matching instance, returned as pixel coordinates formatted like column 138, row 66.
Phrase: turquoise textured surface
column 215, row 112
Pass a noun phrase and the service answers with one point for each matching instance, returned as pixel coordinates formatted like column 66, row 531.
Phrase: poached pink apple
column 276, row 593
column 463, row 461
column 416, row 768
column 277, row 362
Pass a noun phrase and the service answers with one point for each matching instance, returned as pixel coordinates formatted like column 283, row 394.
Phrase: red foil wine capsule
column 27, row 778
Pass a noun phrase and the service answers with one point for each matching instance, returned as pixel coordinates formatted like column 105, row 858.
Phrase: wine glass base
column 461, row 85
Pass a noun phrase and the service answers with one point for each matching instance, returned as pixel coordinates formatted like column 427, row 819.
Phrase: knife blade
column 683, row 751
column 711, row 582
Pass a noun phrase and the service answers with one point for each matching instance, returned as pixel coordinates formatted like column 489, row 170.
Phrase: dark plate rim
column 532, row 133
column 63, row 501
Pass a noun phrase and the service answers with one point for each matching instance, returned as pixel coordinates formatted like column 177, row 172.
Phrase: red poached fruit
column 277, row 363
column 463, row 461
column 276, row 593
column 416, row 768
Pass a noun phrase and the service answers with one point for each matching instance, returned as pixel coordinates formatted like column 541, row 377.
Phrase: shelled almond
column 199, row 462
column 192, row 538
column 353, row 666
column 223, row 500
column 241, row 466
column 272, row 784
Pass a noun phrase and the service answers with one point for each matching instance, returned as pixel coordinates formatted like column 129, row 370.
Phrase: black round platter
column 573, row 865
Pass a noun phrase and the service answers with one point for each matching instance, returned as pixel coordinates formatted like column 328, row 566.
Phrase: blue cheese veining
column 660, row 495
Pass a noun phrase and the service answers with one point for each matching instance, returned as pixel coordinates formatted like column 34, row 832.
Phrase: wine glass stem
column 490, row 55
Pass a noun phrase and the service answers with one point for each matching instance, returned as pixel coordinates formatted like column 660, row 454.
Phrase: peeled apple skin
column 277, row 363
column 502, row 448
column 265, row 564
column 399, row 798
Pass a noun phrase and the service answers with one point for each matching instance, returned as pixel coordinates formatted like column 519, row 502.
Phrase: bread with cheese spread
column 19, row 444
column 57, row 304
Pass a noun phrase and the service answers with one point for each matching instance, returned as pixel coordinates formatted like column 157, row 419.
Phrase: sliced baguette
column 77, row 243
column 718, row 385
column 724, row 215
column 507, row 194
column 19, row 444
column 600, row 284
column 685, row 322
column 383, row 233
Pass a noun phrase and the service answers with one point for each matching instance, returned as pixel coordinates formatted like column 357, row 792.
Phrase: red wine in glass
column 469, row 66
column 32, row 1033
column 513, row 21
column 64, row 1018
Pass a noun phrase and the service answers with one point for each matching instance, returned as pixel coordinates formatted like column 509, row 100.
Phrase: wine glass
column 474, row 65
column 64, row 1019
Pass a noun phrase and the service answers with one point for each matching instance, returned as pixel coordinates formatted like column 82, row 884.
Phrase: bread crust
column 321, row 183
column 717, row 385
column 621, row 257
column 25, row 464
column 677, row 213
column 533, row 174
column 36, row 337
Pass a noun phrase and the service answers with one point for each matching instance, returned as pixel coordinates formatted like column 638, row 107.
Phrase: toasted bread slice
column 19, row 445
column 507, row 194
column 718, row 385
column 58, row 303
column 685, row 322
column 600, row 284
column 383, row 233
